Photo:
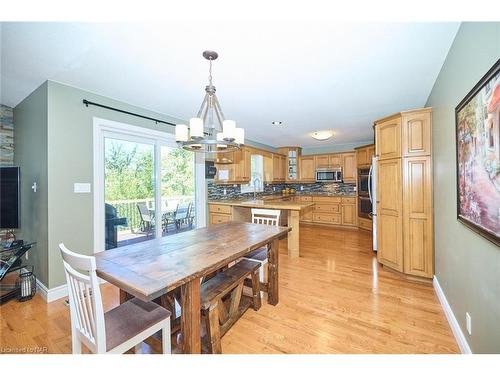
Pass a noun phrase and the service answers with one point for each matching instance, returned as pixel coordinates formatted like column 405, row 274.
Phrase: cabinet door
column 370, row 152
column 416, row 128
column 349, row 214
column 349, row 167
column 388, row 139
column 268, row 168
column 321, row 161
column 335, row 160
column 307, row 168
column 417, row 222
column 362, row 157
column 389, row 214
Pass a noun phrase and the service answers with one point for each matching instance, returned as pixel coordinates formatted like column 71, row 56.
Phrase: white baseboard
column 53, row 294
column 452, row 320
column 50, row 295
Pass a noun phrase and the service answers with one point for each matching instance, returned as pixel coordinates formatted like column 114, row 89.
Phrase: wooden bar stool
column 221, row 300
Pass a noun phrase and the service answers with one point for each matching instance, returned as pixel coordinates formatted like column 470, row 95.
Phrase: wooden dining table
column 151, row 269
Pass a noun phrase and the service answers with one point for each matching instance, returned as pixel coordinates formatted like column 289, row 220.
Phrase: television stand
column 11, row 261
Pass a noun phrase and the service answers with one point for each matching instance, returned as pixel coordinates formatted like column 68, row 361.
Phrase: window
column 256, row 175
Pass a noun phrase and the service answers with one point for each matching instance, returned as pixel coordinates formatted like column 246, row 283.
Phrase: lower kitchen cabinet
column 331, row 210
column 219, row 213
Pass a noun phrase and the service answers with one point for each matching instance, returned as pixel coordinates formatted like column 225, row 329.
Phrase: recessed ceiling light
column 322, row 135
column 277, row 122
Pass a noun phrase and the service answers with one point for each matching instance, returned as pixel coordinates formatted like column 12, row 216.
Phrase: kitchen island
column 240, row 210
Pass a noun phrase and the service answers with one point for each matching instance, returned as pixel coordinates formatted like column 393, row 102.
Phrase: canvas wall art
column 478, row 157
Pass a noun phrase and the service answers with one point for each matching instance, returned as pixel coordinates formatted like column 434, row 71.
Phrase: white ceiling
column 312, row 75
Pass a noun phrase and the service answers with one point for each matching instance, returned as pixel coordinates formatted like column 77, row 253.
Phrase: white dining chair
column 265, row 217
column 116, row 331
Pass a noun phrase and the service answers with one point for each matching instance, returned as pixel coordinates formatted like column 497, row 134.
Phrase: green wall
column 70, row 160
column 30, row 153
column 467, row 265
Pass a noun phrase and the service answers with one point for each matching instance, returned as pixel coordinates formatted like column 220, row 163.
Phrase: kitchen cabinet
column 349, row 170
column 364, row 156
column 219, row 213
column 416, row 134
column 321, row 161
column 279, row 167
column 306, row 214
column 233, row 167
column 390, row 213
column 349, row 212
column 292, row 163
column 388, row 138
column 417, row 219
column 404, row 183
column 335, row 160
column 307, row 170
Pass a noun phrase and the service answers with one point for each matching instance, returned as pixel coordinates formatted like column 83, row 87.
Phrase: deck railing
column 128, row 209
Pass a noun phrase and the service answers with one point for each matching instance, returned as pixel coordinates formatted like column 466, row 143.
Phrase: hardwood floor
column 335, row 298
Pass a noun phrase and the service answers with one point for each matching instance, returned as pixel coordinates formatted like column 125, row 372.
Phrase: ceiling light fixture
column 202, row 134
column 322, row 135
column 277, row 122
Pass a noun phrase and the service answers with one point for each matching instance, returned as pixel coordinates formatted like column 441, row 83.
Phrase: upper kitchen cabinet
column 349, row 167
column 416, row 128
column 321, row 161
column 307, row 170
column 233, row 167
column 292, row 163
column 335, row 160
column 279, row 162
column 388, row 137
column 364, row 155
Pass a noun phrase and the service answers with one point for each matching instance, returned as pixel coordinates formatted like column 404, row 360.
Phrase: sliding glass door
column 129, row 191
column 178, row 204
column 145, row 186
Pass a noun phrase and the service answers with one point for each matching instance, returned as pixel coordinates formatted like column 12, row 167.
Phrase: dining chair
column 265, row 217
column 116, row 331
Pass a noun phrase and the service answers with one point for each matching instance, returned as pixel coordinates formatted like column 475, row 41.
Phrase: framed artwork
column 478, row 157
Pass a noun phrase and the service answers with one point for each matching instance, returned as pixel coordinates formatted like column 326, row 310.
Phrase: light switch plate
column 81, row 187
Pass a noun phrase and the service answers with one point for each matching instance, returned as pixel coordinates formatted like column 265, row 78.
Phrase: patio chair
column 181, row 214
column 190, row 215
column 146, row 225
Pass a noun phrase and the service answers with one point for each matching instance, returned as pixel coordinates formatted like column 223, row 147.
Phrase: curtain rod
column 87, row 103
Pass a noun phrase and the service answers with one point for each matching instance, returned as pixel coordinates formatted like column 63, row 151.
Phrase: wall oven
column 329, row 175
column 364, row 202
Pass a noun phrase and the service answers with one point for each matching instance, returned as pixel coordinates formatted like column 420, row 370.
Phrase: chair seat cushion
column 131, row 318
column 259, row 254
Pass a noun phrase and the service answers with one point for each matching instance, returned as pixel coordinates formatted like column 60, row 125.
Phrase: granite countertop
column 263, row 203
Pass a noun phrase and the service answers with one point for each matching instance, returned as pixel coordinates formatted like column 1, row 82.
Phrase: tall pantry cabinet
column 404, row 183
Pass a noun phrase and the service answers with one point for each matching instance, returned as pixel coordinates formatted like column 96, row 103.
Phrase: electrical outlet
column 301, row 187
column 468, row 323
column 225, row 191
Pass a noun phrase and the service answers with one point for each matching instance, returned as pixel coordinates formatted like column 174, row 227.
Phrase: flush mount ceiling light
column 202, row 134
column 277, row 122
column 322, row 135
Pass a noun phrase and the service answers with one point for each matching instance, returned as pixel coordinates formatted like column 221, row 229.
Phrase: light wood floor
column 335, row 298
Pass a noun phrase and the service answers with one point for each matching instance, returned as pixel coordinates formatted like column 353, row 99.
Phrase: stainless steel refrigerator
column 372, row 192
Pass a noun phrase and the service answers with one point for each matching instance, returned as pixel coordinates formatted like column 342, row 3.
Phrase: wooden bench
column 221, row 300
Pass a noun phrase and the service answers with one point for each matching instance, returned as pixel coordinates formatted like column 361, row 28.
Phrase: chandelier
column 209, row 132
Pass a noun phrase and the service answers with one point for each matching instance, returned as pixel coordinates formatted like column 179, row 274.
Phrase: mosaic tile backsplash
column 221, row 192
column 6, row 135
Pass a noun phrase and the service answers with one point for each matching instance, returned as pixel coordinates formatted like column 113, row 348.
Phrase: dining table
column 151, row 269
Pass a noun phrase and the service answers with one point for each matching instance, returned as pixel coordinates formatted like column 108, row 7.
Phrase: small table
column 150, row 269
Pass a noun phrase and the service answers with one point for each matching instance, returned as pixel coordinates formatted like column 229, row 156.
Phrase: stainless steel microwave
column 329, row 175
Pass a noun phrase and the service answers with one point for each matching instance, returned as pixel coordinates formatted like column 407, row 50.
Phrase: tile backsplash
column 216, row 191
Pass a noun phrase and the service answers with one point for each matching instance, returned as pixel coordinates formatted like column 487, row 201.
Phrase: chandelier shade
column 209, row 132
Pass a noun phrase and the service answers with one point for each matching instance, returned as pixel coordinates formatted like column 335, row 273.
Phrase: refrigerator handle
column 370, row 183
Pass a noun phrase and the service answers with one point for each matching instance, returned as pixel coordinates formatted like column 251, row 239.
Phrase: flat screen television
column 9, row 197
